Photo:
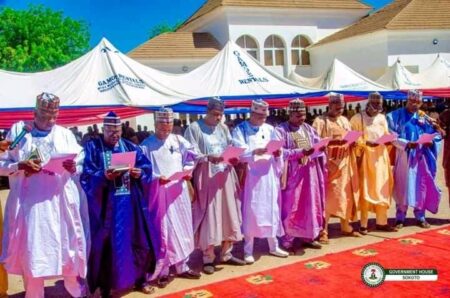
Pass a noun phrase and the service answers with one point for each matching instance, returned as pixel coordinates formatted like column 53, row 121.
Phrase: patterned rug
column 339, row 274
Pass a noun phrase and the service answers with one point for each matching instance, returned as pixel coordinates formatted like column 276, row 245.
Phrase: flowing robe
column 303, row 199
column 342, row 184
column 170, row 204
column 375, row 174
column 216, row 211
column 261, row 194
column 415, row 169
column 43, row 230
column 121, row 252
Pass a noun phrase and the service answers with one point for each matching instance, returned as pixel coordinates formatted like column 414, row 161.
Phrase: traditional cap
column 47, row 102
column 296, row 105
column 215, row 103
column 164, row 115
column 374, row 95
column 415, row 94
column 259, row 106
column 111, row 119
column 335, row 98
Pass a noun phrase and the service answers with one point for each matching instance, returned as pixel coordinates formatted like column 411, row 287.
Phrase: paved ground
column 54, row 288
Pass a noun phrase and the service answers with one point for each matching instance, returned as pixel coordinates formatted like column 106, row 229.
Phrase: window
column 249, row 45
column 273, row 51
column 299, row 54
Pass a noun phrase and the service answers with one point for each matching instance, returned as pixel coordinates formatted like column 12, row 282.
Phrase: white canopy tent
column 338, row 77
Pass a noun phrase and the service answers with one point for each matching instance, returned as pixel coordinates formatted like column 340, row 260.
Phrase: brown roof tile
column 178, row 45
column 210, row 5
column 399, row 15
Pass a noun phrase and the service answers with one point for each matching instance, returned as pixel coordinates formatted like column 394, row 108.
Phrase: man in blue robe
column 415, row 164
column 121, row 254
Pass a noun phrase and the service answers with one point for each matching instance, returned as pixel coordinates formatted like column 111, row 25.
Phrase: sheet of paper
column 273, row 146
column 322, row 143
column 123, row 159
column 426, row 138
column 179, row 175
column 352, row 136
column 55, row 164
column 387, row 138
column 232, row 152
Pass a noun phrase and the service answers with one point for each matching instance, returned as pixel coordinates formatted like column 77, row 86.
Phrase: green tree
column 163, row 28
column 39, row 38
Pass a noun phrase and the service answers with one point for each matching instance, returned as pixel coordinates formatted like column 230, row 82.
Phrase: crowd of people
column 116, row 229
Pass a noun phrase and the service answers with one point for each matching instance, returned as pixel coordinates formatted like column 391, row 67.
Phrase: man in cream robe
column 375, row 174
column 217, row 209
column 342, row 182
column 169, row 201
column 43, row 234
column 261, row 194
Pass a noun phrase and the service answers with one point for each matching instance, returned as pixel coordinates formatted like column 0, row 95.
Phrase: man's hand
column 277, row 153
column 110, row 174
column 428, row 145
column 135, row 173
column 259, row 151
column 234, row 161
column 308, row 152
column 4, row 145
column 215, row 159
column 31, row 166
column 163, row 180
column 337, row 142
column 70, row 166
column 371, row 144
column 187, row 177
column 412, row 145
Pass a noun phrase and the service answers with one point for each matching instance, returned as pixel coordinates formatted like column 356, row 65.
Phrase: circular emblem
column 373, row 274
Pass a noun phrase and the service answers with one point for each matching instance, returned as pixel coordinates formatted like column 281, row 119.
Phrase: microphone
column 26, row 129
column 427, row 118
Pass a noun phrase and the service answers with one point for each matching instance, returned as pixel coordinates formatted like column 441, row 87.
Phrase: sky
column 127, row 23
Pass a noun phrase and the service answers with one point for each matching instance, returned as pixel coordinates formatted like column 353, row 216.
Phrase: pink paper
column 273, row 146
column 232, row 152
column 179, row 175
column 123, row 159
column 55, row 164
column 352, row 136
column 322, row 143
column 426, row 138
column 387, row 138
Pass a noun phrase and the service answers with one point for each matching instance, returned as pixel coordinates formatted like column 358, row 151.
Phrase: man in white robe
column 169, row 201
column 217, row 208
column 261, row 215
column 43, row 229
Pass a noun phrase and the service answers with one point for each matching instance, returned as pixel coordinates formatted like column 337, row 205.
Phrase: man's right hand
column 308, row 152
column 110, row 174
column 412, row 145
column 260, row 151
column 31, row 166
column 163, row 180
column 215, row 159
column 4, row 145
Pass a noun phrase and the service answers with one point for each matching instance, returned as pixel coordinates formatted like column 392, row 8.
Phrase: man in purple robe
column 303, row 179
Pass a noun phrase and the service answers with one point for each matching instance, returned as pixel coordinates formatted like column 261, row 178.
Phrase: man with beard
column 303, row 183
column 217, row 214
column 121, row 253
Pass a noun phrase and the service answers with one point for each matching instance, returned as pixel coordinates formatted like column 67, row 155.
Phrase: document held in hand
column 231, row 152
column 387, row 138
column 273, row 146
column 322, row 143
column 55, row 164
column 352, row 136
column 426, row 138
column 123, row 160
column 179, row 175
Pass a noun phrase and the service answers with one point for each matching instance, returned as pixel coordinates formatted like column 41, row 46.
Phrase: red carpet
column 339, row 275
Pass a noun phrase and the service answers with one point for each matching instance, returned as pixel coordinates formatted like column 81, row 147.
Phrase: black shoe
column 423, row 224
column 190, row 275
column 313, row 244
column 386, row 228
column 163, row 281
column 209, row 268
column 398, row 224
column 235, row 261
column 363, row 231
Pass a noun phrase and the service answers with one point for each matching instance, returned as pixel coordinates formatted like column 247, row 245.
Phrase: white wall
column 174, row 65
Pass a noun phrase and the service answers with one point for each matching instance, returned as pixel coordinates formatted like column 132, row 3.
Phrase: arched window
column 248, row 43
column 273, row 51
column 299, row 54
